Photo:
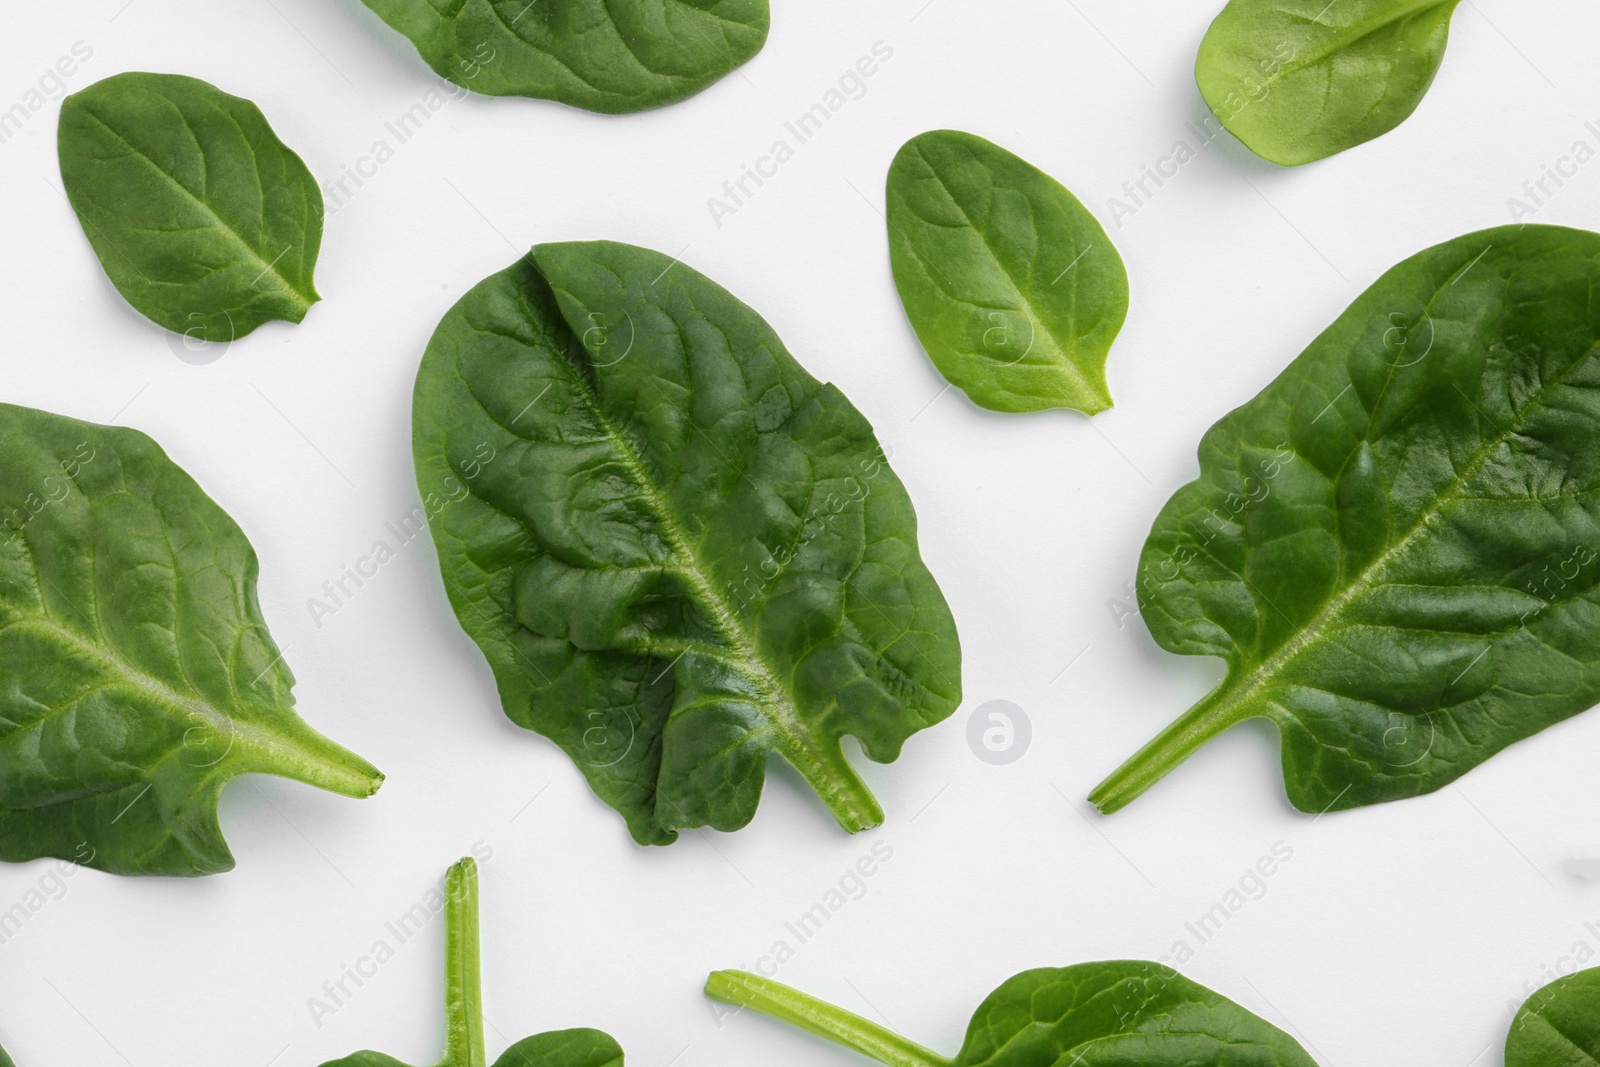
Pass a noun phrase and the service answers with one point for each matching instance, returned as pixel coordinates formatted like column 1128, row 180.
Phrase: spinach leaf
column 1559, row 1026
column 5, row 1061
column 137, row 676
column 1393, row 546
column 1300, row 80
column 1013, row 288
column 678, row 550
column 463, row 1002
column 1092, row 1015
column 613, row 56
column 205, row 222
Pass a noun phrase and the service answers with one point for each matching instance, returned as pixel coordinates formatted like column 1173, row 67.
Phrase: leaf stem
column 299, row 753
column 463, row 974
column 744, row 990
column 1212, row 716
column 826, row 770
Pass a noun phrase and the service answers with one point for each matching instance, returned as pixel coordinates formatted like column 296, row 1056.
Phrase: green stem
column 299, row 753
column 1212, row 716
column 463, row 974
column 744, row 990
column 826, row 770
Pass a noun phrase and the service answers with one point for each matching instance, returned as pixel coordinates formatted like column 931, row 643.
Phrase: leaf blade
column 1559, row 1026
column 689, row 539
column 1390, row 545
column 1301, row 80
column 1012, row 286
column 144, row 675
column 204, row 220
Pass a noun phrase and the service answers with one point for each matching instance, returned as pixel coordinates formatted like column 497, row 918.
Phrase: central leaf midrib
column 1234, row 696
column 1342, row 43
column 782, row 709
column 268, row 266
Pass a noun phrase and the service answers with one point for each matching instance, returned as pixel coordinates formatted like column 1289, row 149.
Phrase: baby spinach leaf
column 1112, row 1014
column 463, row 1002
column 612, row 56
column 1012, row 286
column 1559, row 1026
column 1394, row 546
column 205, row 222
column 137, row 676
column 678, row 550
column 5, row 1061
column 1300, row 80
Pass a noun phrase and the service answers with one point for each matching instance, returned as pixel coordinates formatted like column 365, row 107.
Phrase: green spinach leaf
column 137, row 676
column 678, row 550
column 612, row 56
column 463, row 1002
column 1300, row 80
column 5, row 1061
column 205, row 222
column 1012, row 286
column 1112, row 1014
column 1394, row 546
column 1559, row 1026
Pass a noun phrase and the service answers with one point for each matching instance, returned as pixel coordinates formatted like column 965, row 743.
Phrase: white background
column 1396, row 934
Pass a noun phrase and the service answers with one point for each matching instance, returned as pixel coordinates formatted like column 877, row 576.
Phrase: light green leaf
column 611, row 56
column 1012, row 286
column 1299, row 80
column 1394, row 546
column 463, row 1000
column 205, row 222
column 678, row 550
column 1116, row 1014
column 1559, row 1026
column 137, row 676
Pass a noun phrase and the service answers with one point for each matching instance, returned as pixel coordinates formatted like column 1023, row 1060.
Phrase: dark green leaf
column 463, row 998
column 1116, row 1014
column 1559, row 1026
column 678, row 550
column 137, row 676
column 5, row 1061
column 206, row 222
column 1394, row 546
column 1299, row 80
column 612, row 56
column 1012, row 286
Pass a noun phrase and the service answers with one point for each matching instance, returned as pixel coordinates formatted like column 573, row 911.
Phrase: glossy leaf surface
column 1394, row 546
column 1115, row 1014
column 1299, row 80
column 205, row 222
column 1013, row 288
column 678, row 550
column 137, row 676
column 1559, row 1026
column 464, row 1022
column 603, row 55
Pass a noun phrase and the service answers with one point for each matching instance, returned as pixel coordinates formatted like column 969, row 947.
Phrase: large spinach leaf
column 463, row 1002
column 205, row 222
column 1394, row 546
column 1013, row 288
column 1300, row 80
column 137, row 676
column 1114, row 1014
column 678, row 550
column 1559, row 1026
column 612, row 56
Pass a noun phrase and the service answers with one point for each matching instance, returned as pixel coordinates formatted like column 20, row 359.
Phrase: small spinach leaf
column 1300, row 80
column 678, row 550
column 463, row 1002
column 205, row 222
column 5, row 1061
column 1394, row 546
column 137, row 676
column 1559, row 1026
column 1012, row 286
column 1092, row 1015
column 612, row 56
